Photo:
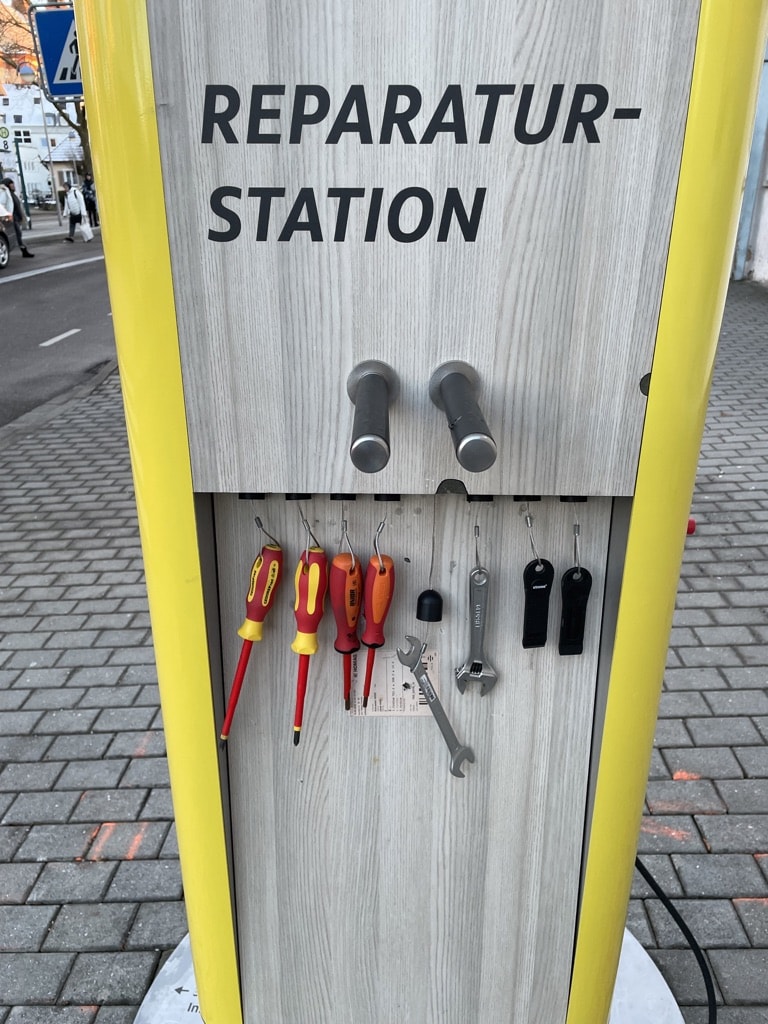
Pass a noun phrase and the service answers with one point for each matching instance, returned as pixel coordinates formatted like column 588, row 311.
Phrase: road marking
column 60, row 337
column 48, row 270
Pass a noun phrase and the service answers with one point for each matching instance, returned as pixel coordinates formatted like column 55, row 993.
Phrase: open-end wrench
column 477, row 667
column 412, row 660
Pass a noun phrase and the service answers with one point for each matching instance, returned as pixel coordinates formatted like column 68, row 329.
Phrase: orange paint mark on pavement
column 655, row 828
column 682, row 776
column 105, row 833
column 137, row 840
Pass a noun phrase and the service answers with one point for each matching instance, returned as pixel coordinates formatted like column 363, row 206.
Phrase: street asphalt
column 91, row 899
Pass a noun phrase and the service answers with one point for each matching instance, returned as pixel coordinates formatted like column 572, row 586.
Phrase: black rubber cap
column 429, row 607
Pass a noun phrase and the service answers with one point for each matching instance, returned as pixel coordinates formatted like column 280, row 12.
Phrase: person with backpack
column 74, row 208
column 17, row 215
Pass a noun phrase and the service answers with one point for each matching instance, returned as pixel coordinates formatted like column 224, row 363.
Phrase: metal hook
column 345, row 539
column 310, row 535
column 577, row 550
column 536, row 555
column 265, row 532
column 376, row 548
column 477, row 545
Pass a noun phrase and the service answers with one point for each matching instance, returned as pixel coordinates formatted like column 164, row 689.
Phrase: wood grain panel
column 555, row 303
column 372, row 886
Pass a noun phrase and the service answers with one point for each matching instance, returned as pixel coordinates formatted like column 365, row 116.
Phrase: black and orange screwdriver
column 311, row 581
column 345, row 587
column 266, row 573
column 377, row 597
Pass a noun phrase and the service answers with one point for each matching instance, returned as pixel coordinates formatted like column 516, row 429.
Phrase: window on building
column 17, row 118
column 22, row 136
column 6, row 101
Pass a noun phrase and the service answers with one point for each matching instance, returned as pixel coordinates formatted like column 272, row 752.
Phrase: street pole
column 23, row 183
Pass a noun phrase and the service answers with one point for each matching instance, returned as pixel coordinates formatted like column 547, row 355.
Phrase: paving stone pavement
column 90, row 891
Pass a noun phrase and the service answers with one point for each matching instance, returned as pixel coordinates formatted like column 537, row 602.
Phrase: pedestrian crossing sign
column 56, row 35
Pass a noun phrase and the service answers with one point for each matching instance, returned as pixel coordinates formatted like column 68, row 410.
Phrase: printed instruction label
column 394, row 691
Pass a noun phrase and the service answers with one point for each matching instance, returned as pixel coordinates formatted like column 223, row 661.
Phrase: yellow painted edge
column 119, row 92
column 726, row 71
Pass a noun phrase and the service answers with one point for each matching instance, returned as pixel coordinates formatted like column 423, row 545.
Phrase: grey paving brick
column 29, row 978
column 658, row 768
column 753, row 912
column 72, row 882
column 162, row 925
column 744, row 796
column 147, row 771
column 16, row 723
column 702, row 763
column 720, row 875
column 679, row 969
column 44, row 678
column 140, row 840
column 682, row 704
column 746, row 677
column 714, row 923
column 754, row 760
column 25, row 776
column 719, row 732
column 116, row 1015
column 24, row 928
column 93, row 657
column 738, row 702
column 78, row 747
column 683, row 797
column 734, row 833
column 741, row 974
column 694, row 679
column 53, row 1015
column 109, row 805
column 31, row 808
column 31, row 659
column 703, row 657
column 732, row 636
column 662, row 869
column 170, row 848
column 95, row 675
column 58, row 699
column 16, row 881
column 82, row 927
column 122, row 719
column 110, row 696
column 669, row 834
column 146, row 880
column 98, row 978
column 85, row 774
column 55, row 842
column 670, row 732
column 77, row 720
column 147, row 743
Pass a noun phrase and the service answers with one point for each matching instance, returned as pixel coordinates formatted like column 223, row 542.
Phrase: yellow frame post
column 727, row 63
column 114, row 46
column 119, row 93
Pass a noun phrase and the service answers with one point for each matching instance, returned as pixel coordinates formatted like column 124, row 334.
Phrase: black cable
column 687, row 935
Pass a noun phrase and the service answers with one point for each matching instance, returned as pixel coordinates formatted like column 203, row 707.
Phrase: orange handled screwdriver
column 311, row 582
column 266, row 573
column 379, row 588
column 345, row 587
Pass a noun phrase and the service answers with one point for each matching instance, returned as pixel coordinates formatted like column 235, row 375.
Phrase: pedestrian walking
column 89, row 195
column 17, row 215
column 74, row 208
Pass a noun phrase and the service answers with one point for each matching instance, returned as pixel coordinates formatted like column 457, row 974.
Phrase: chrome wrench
column 477, row 667
column 412, row 659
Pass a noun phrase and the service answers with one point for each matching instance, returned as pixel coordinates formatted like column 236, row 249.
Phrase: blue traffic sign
column 59, row 57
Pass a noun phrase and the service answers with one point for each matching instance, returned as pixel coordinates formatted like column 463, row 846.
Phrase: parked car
column 7, row 242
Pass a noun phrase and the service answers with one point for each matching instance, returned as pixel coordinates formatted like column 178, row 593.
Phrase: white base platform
column 640, row 995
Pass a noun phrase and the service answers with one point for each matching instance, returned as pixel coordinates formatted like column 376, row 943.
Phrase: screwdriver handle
column 345, row 587
column 379, row 588
column 266, row 573
column 311, row 583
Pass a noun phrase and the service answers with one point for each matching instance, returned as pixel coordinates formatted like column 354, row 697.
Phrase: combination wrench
column 412, row 659
column 477, row 667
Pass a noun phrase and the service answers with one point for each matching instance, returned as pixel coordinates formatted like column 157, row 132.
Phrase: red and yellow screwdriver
column 266, row 573
column 379, row 588
column 311, row 581
column 345, row 587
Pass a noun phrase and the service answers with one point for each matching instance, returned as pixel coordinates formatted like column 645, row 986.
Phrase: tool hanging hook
column 477, row 546
column 345, row 540
column 310, row 535
column 379, row 528
column 536, row 555
column 265, row 532
column 577, row 549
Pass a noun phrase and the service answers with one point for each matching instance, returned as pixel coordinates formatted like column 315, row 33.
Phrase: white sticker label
column 394, row 691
